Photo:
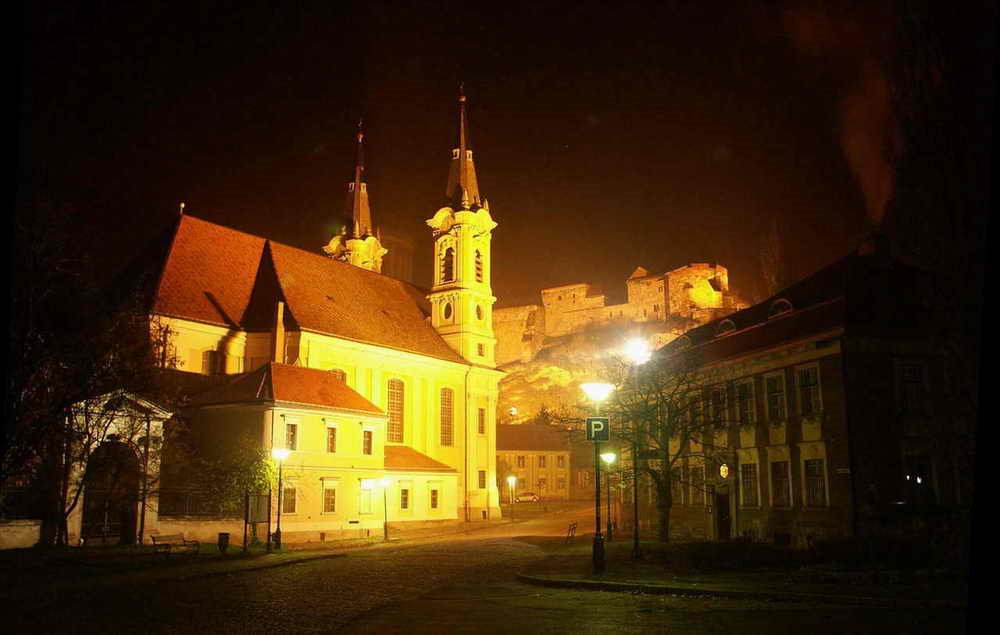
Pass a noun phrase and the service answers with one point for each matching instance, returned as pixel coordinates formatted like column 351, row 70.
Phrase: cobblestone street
column 451, row 584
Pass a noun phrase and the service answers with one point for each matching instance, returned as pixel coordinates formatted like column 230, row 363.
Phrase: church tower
column 358, row 242
column 462, row 297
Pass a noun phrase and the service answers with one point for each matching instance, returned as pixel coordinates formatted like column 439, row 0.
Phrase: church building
column 384, row 393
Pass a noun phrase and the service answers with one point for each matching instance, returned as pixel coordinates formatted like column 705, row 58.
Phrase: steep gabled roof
column 212, row 272
column 531, row 437
column 275, row 382
column 406, row 459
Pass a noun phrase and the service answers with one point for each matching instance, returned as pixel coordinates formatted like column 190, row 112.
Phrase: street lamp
column 597, row 392
column 385, row 482
column 609, row 458
column 511, row 484
column 279, row 454
column 637, row 352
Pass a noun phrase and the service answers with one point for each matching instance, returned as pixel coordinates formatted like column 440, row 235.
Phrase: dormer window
column 779, row 307
column 725, row 326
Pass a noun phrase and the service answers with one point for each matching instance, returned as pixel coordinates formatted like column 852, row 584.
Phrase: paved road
column 456, row 585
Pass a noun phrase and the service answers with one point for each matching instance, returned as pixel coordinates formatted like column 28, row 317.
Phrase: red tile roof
column 403, row 458
column 296, row 384
column 210, row 273
column 531, row 437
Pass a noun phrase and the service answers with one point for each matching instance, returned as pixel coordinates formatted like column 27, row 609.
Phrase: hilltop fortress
column 697, row 292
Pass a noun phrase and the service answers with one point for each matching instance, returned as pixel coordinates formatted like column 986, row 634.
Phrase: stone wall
column 18, row 534
column 520, row 331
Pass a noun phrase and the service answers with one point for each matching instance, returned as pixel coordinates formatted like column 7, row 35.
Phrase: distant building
column 539, row 456
column 842, row 401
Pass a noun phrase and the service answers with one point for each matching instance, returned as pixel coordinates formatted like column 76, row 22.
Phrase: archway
column 111, row 494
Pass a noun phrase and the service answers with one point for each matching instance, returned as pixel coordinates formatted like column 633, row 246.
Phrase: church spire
column 357, row 209
column 462, row 182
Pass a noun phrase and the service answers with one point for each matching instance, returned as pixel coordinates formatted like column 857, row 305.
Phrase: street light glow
column 280, row 454
column 637, row 350
column 385, row 481
column 597, row 391
column 511, row 480
column 608, row 457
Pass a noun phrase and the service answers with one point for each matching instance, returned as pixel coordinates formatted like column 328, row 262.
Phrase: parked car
column 526, row 497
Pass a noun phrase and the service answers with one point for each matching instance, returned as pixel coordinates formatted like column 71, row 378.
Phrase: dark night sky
column 607, row 135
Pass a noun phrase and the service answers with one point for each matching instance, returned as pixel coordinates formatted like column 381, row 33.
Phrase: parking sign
column 598, row 429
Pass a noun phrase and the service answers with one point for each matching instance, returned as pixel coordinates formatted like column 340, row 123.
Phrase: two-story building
column 539, row 456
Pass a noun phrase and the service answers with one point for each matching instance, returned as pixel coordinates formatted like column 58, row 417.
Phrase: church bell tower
column 358, row 242
column 462, row 297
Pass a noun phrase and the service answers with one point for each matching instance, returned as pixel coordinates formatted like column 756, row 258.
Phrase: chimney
column 278, row 341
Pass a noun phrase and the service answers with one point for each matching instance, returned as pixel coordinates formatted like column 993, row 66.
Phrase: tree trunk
column 664, row 502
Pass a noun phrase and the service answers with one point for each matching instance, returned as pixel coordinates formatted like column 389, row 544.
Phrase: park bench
column 165, row 543
column 571, row 532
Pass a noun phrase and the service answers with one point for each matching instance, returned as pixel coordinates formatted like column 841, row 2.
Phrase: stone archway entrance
column 111, row 495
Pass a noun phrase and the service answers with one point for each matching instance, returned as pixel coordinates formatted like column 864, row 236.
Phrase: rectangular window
column 481, row 349
column 366, row 443
column 396, row 407
column 482, row 479
column 718, row 404
column 365, row 500
column 561, row 483
column 541, row 461
column 911, row 388
column 781, row 486
column 815, row 483
column 288, row 499
column 447, row 416
column 434, row 499
column 809, row 396
column 697, row 478
column 745, row 402
column 775, row 389
column 676, row 491
column 329, row 498
column 520, row 461
column 331, row 439
column 748, row 485
column 542, row 484
column 291, row 436
column 482, row 421
column 561, row 461
column 404, row 498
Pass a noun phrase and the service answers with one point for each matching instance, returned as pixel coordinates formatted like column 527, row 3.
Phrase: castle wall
column 520, row 331
column 697, row 286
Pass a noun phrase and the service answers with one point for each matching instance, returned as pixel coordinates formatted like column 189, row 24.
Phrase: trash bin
column 223, row 541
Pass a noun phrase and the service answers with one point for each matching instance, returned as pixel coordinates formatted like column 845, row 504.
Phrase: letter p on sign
column 598, row 429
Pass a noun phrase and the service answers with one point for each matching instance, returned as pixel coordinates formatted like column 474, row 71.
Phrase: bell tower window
column 448, row 265
column 479, row 266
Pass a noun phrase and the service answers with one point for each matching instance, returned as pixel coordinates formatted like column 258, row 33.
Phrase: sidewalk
column 570, row 567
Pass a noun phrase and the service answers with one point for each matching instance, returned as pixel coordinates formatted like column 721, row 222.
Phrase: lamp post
column 279, row 454
column 597, row 392
column 609, row 458
column 511, row 484
column 638, row 353
column 385, row 481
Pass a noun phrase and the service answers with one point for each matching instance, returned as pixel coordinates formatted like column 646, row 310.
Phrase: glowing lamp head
column 637, row 351
column 511, row 480
column 597, row 391
column 608, row 457
column 280, row 454
column 385, row 481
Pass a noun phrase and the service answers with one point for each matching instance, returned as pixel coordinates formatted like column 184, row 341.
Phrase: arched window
column 778, row 307
column 448, row 265
column 479, row 266
column 725, row 326
column 339, row 373
column 447, row 416
column 396, row 402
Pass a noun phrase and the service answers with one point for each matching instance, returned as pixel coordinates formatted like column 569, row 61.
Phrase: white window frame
column 798, row 390
column 286, row 484
column 752, row 406
column 336, row 445
column 365, row 429
column 330, row 484
column 291, row 420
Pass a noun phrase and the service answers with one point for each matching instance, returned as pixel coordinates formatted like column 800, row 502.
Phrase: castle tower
column 358, row 242
column 462, row 297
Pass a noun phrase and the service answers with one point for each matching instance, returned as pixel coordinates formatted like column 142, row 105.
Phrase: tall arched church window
column 396, row 402
column 448, row 265
column 479, row 266
column 447, row 416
